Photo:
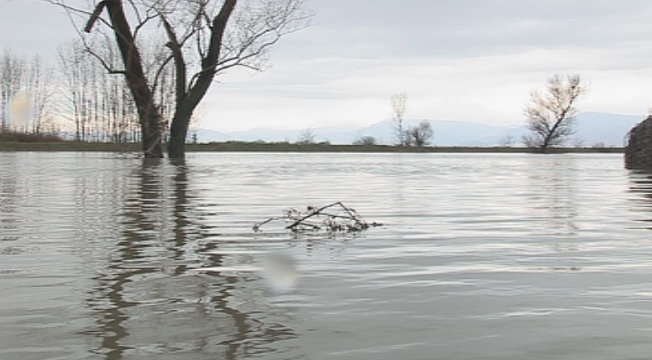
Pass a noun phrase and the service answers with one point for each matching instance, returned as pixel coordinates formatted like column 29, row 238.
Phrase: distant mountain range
column 592, row 128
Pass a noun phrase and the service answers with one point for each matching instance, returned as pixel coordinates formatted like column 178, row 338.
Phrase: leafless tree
column 420, row 135
column 97, row 104
column 399, row 104
column 307, row 137
column 12, row 74
column 76, row 71
column 507, row 141
column 365, row 141
column 203, row 38
column 578, row 143
column 41, row 95
column 550, row 116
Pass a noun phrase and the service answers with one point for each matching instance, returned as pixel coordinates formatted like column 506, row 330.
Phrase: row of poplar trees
column 76, row 97
column 142, row 67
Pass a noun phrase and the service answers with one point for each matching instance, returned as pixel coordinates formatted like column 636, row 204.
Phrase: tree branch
column 346, row 221
column 179, row 61
column 94, row 16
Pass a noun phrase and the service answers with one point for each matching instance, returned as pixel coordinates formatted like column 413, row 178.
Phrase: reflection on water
column 492, row 256
column 641, row 185
column 553, row 186
column 145, row 295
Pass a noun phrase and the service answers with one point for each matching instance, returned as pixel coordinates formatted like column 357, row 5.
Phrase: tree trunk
column 178, row 133
column 148, row 113
column 545, row 145
column 150, row 129
column 188, row 101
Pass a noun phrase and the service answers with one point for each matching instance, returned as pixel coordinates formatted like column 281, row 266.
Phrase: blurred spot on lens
column 280, row 270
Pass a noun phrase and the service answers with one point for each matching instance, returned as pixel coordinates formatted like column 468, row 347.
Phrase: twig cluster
column 332, row 218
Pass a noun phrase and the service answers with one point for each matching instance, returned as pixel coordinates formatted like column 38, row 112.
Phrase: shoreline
column 235, row 146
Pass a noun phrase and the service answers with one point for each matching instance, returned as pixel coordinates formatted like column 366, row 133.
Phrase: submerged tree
column 550, row 117
column 203, row 38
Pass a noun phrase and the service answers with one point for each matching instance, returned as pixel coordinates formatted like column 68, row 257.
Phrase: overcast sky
column 470, row 60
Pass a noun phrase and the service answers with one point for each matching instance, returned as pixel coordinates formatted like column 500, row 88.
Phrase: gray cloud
column 449, row 29
column 458, row 59
column 33, row 27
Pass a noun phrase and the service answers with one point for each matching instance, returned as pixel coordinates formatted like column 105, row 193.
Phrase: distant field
column 274, row 147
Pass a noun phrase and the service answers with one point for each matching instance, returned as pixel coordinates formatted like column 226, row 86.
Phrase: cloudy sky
column 470, row 60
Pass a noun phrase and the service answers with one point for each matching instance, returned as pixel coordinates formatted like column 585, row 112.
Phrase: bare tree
column 550, row 117
column 41, row 95
column 507, row 141
column 203, row 38
column 420, row 135
column 579, row 143
column 365, row 141
column 306, row 137
column 12, row 75
column 77, row 76
column 399, row 104
column 97, row 104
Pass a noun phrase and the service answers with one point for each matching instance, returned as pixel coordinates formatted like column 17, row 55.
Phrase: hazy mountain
column 447, row 133
column 609, row 129
column 205, row 135
column 591, row 128
column 334, row 135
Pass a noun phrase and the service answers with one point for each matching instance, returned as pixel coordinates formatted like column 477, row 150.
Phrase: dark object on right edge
column 638, row 152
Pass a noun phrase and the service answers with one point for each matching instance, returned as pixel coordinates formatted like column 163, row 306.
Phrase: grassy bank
column 235, row 146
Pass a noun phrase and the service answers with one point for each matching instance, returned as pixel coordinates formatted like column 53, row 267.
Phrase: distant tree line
column 76, row 97
column 26, row 94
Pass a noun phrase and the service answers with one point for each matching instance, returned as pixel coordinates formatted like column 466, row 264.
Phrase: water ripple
column 481, row 256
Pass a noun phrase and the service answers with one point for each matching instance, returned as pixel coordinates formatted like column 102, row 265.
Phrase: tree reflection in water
column 553, row 200
column 641, row 184
column 146, row 303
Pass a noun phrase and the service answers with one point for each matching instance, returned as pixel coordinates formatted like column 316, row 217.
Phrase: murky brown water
column 481, row 256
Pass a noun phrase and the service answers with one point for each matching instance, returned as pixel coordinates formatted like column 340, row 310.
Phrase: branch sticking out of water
column 332, row 218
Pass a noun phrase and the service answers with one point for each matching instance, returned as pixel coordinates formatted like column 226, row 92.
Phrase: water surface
column 480, row 256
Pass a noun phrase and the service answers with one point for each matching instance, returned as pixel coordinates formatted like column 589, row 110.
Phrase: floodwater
column 480, row 256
